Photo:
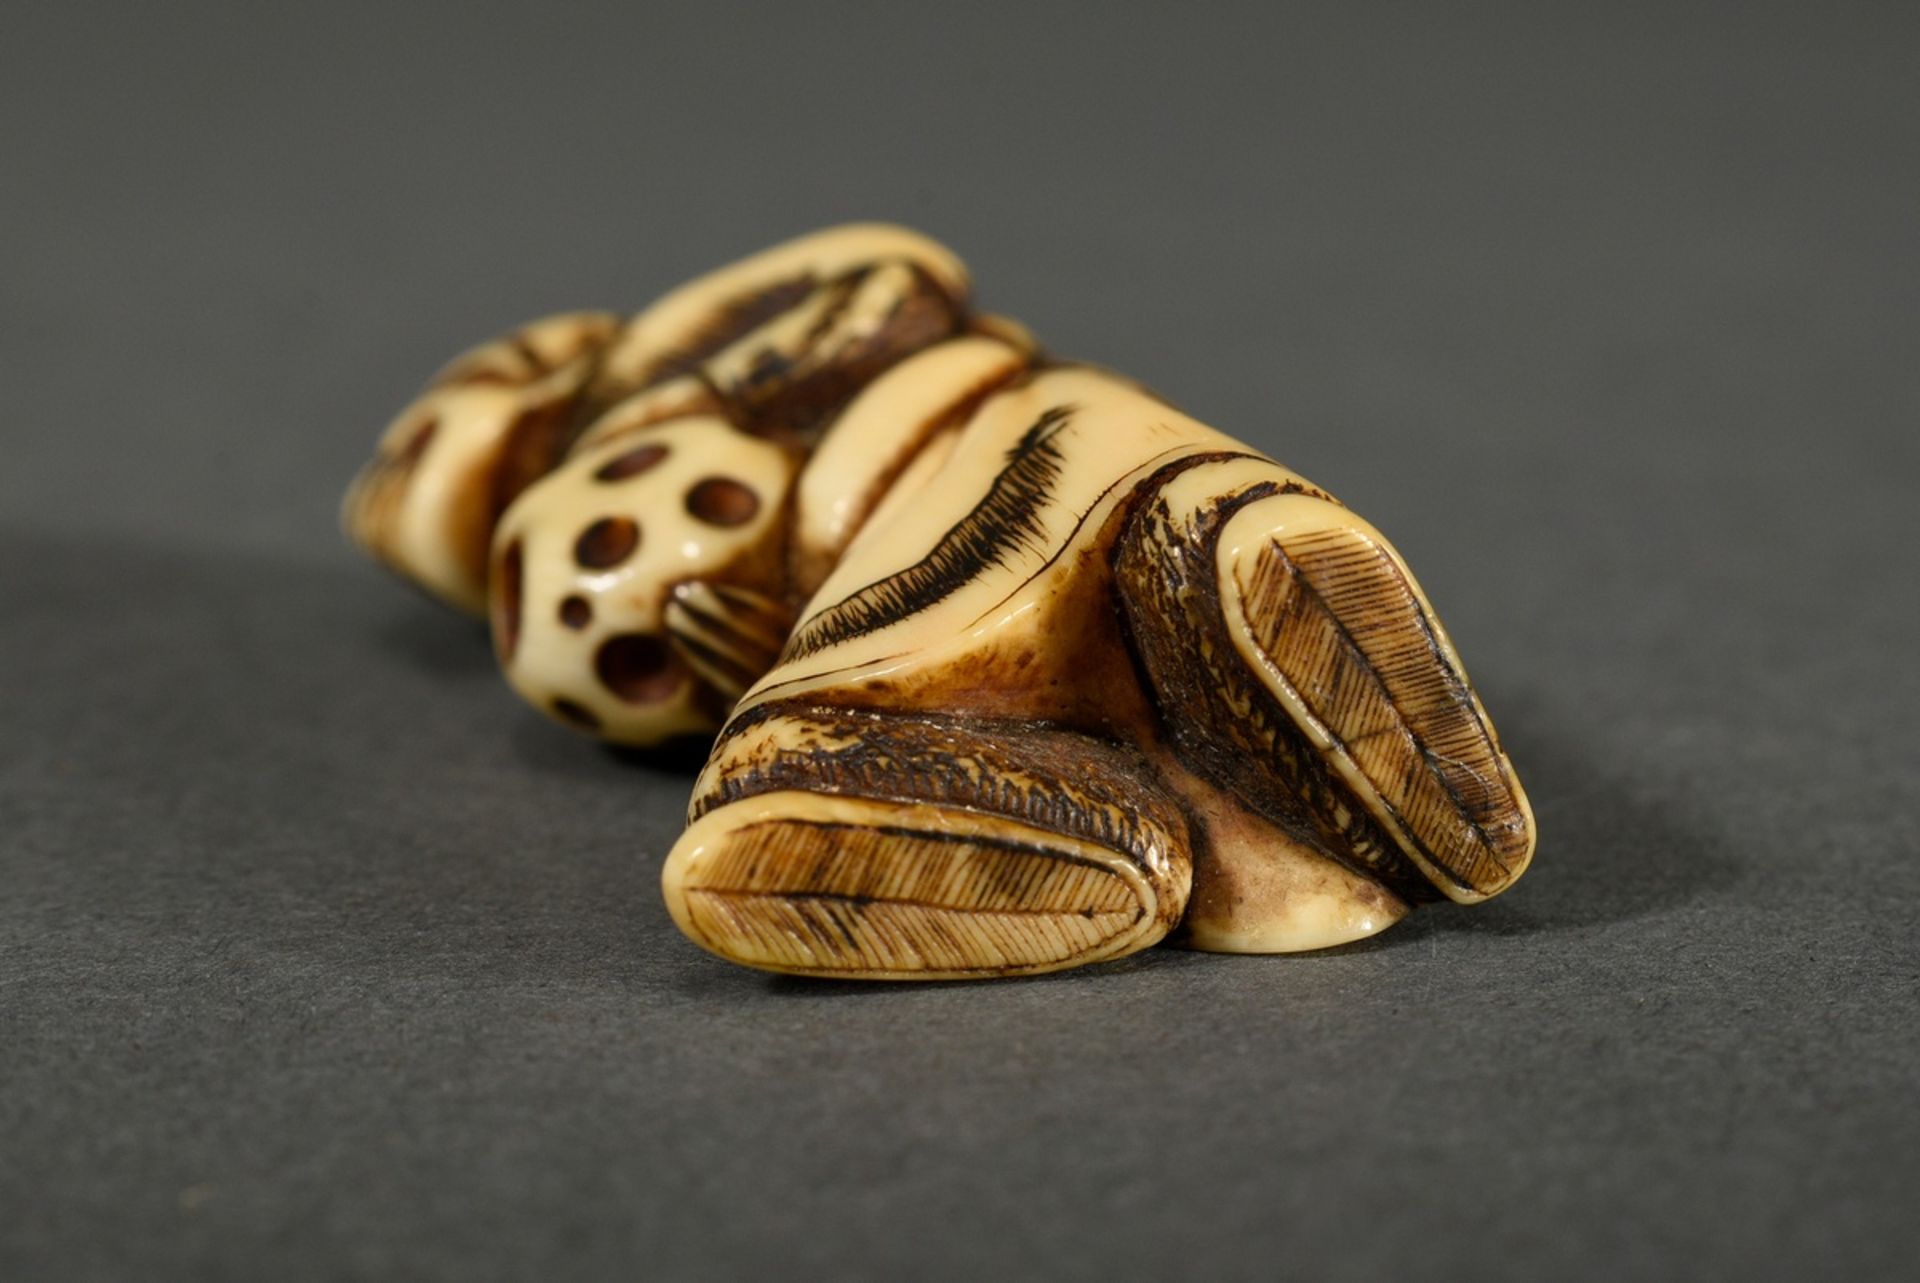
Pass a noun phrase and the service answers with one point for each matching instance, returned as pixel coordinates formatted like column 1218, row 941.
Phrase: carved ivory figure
column 1015, row 667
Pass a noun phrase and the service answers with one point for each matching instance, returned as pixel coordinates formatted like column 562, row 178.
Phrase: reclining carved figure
column 1015, row 667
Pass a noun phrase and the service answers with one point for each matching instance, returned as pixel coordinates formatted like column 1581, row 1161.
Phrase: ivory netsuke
column 1013, row 666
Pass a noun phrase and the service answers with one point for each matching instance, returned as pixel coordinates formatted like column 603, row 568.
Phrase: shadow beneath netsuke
column 684, row 756
column 1614, row 845
column 434, row 640
column 546, row 746
column 1160, row 959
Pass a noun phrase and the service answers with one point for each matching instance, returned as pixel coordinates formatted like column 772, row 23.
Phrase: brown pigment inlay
column 417, row 443
column 630, row 464
column 722, row 501
column 506, row 603
column 606, row 543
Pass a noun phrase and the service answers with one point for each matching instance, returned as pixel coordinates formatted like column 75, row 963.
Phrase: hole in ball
column 637, row 668
column 606, row 543
column 631, row 463
column 722, row 501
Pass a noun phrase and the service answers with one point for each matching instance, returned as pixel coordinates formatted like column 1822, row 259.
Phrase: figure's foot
column 1298, row 667
column 869, row 846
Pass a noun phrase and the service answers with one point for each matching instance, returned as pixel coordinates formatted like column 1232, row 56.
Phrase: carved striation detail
column 1056, row 780
column 880, row 890
column 827, row 897
column 1003, row 520
column 913, row 836
column 728, row 634
column 1343, row 627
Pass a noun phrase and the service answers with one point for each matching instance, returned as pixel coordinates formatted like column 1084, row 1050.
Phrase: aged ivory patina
column 1014, row 666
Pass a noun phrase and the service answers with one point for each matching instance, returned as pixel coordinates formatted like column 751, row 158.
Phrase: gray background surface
column 320, row 957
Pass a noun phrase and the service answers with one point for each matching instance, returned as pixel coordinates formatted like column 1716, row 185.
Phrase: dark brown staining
column 722, row 501
column 632, row 463
column 536, row 364
column 802, row 384
column 738, row 317
column 576, row 612
column 530, row 448
column 1005, row 521
column 506, row 598
column 852, row 898
column 417, row 443
column 578, row 714
column 606, row 543
column 1057, row 780
column 637, row 668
